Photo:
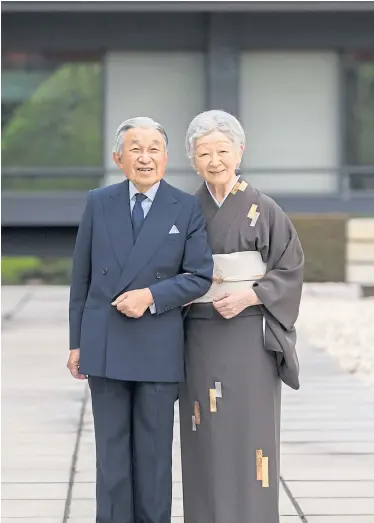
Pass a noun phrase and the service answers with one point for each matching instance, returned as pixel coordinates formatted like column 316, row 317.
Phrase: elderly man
column 141, row 253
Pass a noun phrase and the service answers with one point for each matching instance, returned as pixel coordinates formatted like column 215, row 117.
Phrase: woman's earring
column 237, row 171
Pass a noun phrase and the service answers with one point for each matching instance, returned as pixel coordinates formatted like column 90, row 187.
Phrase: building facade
column 298, row 75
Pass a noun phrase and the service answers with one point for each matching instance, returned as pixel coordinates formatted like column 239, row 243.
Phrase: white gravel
column 335, row 318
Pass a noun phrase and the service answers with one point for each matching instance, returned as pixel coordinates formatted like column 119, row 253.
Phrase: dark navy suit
column 134, row 365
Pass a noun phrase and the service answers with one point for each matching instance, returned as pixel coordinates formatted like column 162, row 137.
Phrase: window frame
column 350, row 170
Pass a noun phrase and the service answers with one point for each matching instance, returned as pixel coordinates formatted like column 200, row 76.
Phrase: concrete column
column 222, row 64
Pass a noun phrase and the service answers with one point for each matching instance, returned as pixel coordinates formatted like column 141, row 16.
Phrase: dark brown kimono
column 230, row 402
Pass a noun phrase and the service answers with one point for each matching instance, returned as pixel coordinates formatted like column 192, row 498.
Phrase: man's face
column 144, row 157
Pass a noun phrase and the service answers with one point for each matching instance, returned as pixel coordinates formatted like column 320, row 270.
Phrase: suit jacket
column 106, row 263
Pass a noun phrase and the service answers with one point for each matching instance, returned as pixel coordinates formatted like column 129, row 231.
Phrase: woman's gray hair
column 209, row 121
column 132, row 123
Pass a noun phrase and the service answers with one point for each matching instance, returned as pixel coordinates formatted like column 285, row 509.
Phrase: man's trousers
column 134, row 435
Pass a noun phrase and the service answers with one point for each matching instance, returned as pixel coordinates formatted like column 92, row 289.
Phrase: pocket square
column 174, row 230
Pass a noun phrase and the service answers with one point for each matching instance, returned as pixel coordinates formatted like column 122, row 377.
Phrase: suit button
column 105, row 271
column 158, row 275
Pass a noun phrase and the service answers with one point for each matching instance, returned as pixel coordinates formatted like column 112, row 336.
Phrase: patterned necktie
column 137, row 216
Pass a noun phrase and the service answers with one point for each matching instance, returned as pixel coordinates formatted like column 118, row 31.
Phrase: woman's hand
column 230, row 305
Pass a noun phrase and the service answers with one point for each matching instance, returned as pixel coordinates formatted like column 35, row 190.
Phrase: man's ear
column 117, row 160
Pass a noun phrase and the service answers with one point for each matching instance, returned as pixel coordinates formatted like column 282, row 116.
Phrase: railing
column 350, row 179
column 51, row 178
column 360, row 178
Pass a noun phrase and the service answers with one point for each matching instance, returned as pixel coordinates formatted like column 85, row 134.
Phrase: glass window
column 360, row 108
column 177, row 94
column 289, row 110
column 51, row 120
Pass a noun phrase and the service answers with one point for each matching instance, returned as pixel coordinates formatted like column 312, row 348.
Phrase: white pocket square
column 174, row 230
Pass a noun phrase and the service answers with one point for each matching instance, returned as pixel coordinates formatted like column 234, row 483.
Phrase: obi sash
column 234, row 272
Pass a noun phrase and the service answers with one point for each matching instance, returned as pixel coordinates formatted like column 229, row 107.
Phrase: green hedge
column 323, row 238
column 23, row 270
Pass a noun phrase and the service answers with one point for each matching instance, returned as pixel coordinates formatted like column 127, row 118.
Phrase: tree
column 60, row 124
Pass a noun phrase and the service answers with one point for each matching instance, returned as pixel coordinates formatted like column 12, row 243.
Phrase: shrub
column 23, row 270
column 323, row 238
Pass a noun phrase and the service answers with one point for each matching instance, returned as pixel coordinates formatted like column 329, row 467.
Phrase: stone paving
column 48, row 458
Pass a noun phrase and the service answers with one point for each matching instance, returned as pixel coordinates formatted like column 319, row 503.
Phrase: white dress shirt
column 146, row 205
column 219, row 204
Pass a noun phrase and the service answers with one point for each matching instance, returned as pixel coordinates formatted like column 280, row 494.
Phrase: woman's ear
column 241, row 151
column 240, row 154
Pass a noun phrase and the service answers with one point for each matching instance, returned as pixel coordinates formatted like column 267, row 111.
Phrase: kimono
column 230, row 401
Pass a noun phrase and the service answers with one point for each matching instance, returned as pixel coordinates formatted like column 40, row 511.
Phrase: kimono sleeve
column 280, row 289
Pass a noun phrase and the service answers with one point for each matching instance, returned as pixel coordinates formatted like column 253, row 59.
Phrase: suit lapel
column 118, row 221
column 160, row 219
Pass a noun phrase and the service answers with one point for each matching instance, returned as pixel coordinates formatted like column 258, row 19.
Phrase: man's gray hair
column 132, row 123
column 209, row 121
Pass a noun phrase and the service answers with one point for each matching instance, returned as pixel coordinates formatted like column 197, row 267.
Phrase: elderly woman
column 240, row 338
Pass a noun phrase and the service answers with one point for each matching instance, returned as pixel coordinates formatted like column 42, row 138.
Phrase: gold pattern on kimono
column 253, row 215
column 265, row 472
column 197, row 415
column 235, row 189
column 262, row 468
column 218, row 386
column 259, row 464
column 243, row 186
column 213, row 400
column 217, row 274
column 252, row 211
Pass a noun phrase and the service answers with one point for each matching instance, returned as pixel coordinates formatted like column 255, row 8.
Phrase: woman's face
column 216, row 158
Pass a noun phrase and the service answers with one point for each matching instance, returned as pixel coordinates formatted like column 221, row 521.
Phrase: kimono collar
column 219, row 204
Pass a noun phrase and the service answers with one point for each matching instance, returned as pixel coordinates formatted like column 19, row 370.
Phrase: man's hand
column 134, row 303
column 230, row 305
column 73, row 365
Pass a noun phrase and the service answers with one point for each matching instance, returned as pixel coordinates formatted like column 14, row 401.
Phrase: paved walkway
column 47, row 434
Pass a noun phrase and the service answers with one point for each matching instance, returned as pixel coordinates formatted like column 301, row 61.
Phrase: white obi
column 234, row 272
